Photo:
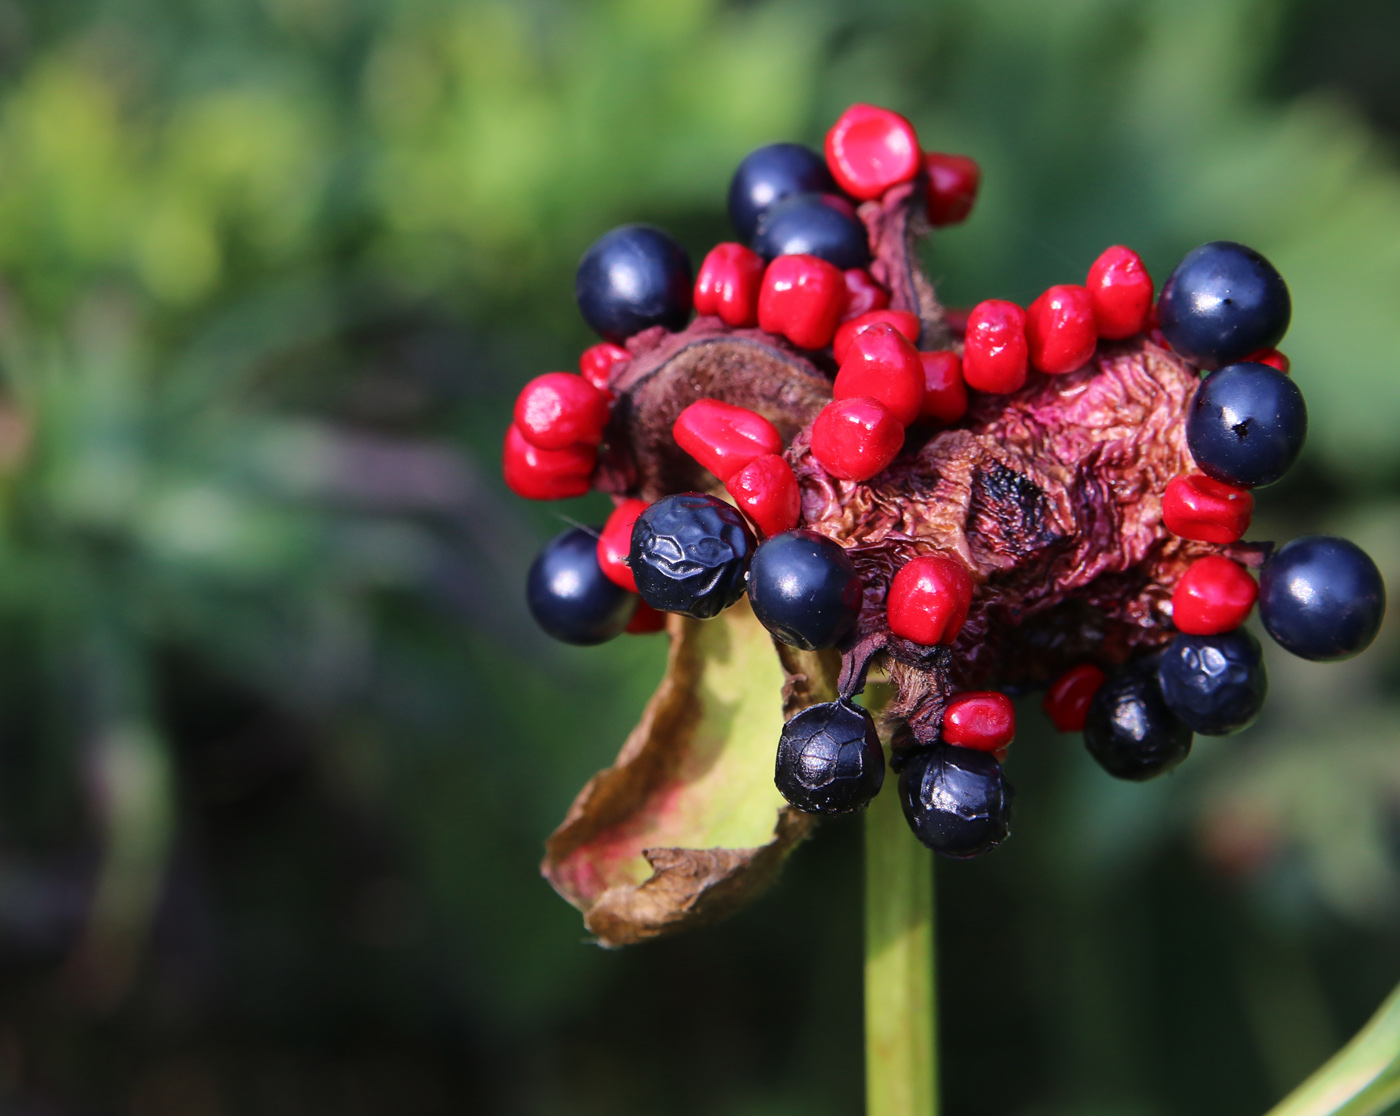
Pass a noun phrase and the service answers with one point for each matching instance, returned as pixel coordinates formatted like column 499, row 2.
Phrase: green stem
column 900, row 1060
column 1361, row 1079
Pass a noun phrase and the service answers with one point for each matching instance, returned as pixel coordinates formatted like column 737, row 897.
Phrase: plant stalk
column 1361, row 1079
column 901, row 1074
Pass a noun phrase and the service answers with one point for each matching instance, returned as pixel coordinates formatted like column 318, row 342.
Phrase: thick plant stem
column 901, row 1077
column 1362, row 1079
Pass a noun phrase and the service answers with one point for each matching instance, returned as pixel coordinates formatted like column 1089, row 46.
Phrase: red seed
column 541, row 474
column 1206, row 510
column 902, row 320
column 983, row 720
column 728, row 285
column 994, row 351
column 856, row 438
column 1213, row 596
column 1067, row 701
column 863, row 294
column 596, row 362
column 559, row 409
column 766, row 491
column 945, row 394
column 801, row 299
column 615, row 543
column 928, row 601
column 1060, row 331
column 646, row 620
column 881, row 363
column 724, row 438
column 870, row 149
column 1121, row 291
column 952, row 187
column 1273, row 358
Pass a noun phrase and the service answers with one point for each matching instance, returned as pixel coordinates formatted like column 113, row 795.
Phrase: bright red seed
column 1273, row 358
column 994, row 351
column 881, row 363
column 1121, row 291
column 1213, row 596
column 928, row 601
column 541, row 474
column 646, row 620
column 1060, row 331
column 596, row 362
column 945, row 394
column 1206, row 510
column 870, row 149
column 802, row 298
column 902, row 320
column 856, row 438
column 724, row 438
column 766, row 491
column 615, row 543
column 728, row 285
column 952, row 187
column 558, row 409
column 1067, row 701
column 863, row 294
column 983, row 720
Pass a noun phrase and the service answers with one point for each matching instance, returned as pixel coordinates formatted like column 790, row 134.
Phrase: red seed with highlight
column 541, row 474
column 995, row 356
column 724, row 438
column 559, row 409
column 801, row 299
column 1121, row 291
column 928, row 601
column 902, row 320
column 1215, row 595
column 984, row 720
column 766, row 491
column 1206, row 510
column 596, row 362
column 870, row 149
column 882, row 363
column 855, row 439
column 1060, row 331
column 728, row 283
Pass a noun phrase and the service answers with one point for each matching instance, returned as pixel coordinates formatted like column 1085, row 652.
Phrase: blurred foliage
column 279, row 745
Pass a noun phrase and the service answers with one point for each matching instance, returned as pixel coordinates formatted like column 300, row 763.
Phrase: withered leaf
column 687, row 825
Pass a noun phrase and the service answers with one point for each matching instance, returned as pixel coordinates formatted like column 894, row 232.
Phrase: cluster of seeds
column 815, row 281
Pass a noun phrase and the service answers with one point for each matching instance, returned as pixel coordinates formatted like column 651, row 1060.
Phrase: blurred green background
column 278, row 742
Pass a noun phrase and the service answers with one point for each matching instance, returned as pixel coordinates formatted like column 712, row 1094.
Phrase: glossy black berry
column 770, row 174
column 804, row 589
column 1246, row 424
column 632, row 278
column 820, row 225
column 1322, row 598
column 1131, row 731
column 956, row 800
column 829, row 759
column 690, row 554
column 569, row 595
column 1223, row 302
column 1216, row 684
